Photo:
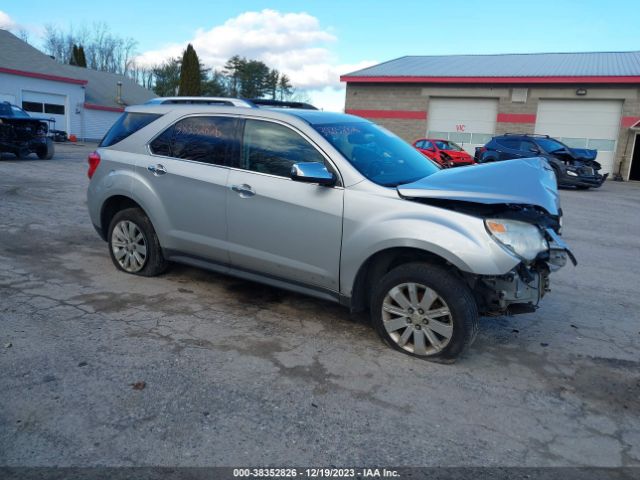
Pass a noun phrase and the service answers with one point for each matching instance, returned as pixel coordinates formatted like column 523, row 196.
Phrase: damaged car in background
column 332, row 206
column 23, row 135
column 573, row 167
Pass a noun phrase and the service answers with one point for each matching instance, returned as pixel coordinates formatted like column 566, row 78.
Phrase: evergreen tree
column 81, row 59
column 190, row 76
column 73, row 60
column 167, row 78
column 285, row 89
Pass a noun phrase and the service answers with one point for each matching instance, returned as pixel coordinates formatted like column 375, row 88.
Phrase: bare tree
column 103, row 50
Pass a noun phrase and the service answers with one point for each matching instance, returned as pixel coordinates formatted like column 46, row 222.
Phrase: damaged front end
column 519, row 205
column 543, row 252
column 579, row 168
column 521, row 289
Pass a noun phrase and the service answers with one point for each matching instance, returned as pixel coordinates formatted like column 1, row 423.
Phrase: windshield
column 18, row 112
column 550, row 145
column 376, row 153
column 443, row 145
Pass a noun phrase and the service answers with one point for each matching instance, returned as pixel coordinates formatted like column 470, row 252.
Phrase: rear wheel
column 46, row 151
column 134, row 245
column 426, row 311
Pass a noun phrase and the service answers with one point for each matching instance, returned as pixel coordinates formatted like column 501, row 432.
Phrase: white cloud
column 6, row 23
column 293, row 43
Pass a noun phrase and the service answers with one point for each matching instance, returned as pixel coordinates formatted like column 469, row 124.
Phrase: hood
column 529, row 181
column 584, row 153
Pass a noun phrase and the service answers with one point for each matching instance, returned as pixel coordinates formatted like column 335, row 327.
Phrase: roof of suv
column 313, row 117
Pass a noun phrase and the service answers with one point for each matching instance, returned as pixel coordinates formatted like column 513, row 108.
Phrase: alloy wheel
column 129, row 246
column 417, row 319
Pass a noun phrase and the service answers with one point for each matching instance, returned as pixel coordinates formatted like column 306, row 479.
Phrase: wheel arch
column 113, row 205
column 382, row 262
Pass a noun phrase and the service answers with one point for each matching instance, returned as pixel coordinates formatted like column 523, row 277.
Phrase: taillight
column 94, row 161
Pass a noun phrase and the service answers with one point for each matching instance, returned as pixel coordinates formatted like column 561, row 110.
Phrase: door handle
column 243, row 190
column 157, row 169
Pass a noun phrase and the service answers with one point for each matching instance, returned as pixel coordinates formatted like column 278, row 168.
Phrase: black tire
column 21, row 153
column 154, row 262
column 452, row 292
column 46, row 151
column 582, row 187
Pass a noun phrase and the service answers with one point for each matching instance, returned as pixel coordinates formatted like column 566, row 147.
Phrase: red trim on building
column 628, row 122
column 407, row 79
column 43, row 76
column 93, row 106
column 516, row 118
column 399, row 114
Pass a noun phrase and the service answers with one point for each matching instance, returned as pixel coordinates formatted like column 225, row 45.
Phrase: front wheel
column 46, row 150
column 426, row 311
column 134, row 245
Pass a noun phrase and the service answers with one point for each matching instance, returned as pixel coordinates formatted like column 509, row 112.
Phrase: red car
column 444, row 152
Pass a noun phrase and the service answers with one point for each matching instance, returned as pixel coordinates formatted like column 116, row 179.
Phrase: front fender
column 460, row 239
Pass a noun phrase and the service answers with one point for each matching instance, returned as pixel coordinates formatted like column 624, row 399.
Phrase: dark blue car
column 575, row 167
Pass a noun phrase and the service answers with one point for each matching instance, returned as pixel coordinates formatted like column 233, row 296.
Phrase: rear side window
column 203, row 139
column 509, row 143
column 128, row 124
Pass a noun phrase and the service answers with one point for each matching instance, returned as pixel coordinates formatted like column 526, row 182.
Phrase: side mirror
column 312, row 172
column 534, row 150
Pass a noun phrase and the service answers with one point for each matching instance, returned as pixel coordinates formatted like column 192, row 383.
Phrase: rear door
column 279, row 227
column 508, row 148
column 188, row 171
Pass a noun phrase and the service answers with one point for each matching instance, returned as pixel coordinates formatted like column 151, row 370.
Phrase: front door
column 279, row 227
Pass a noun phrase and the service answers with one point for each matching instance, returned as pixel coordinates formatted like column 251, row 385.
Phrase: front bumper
column 521, row 289
column 592, row 181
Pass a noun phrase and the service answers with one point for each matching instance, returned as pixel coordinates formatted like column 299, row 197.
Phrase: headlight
column 521, row 238
column 572, row 173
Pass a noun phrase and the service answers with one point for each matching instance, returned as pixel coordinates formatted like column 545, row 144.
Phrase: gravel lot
column 241, row 374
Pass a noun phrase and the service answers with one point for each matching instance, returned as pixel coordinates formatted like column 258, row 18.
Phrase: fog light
column 572, row 174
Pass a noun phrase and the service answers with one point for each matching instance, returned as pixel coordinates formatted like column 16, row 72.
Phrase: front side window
column 202, row 139
column 376, row 153
column 550, row 145
column 273, row 149
column 444, row 145
column 18, row 112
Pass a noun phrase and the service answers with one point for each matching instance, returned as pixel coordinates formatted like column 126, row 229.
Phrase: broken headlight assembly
column 522, row 239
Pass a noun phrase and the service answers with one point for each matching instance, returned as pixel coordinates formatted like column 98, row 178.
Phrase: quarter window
column 128, row 124
column 272, row 148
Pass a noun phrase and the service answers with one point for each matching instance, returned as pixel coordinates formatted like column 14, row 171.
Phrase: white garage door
column 583, row 124
column 47, row 105
column 470, row 122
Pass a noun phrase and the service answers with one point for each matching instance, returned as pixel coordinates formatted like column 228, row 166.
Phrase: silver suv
column 333, row 206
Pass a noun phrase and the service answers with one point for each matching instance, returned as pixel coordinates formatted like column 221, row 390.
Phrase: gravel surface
column 197, row 369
